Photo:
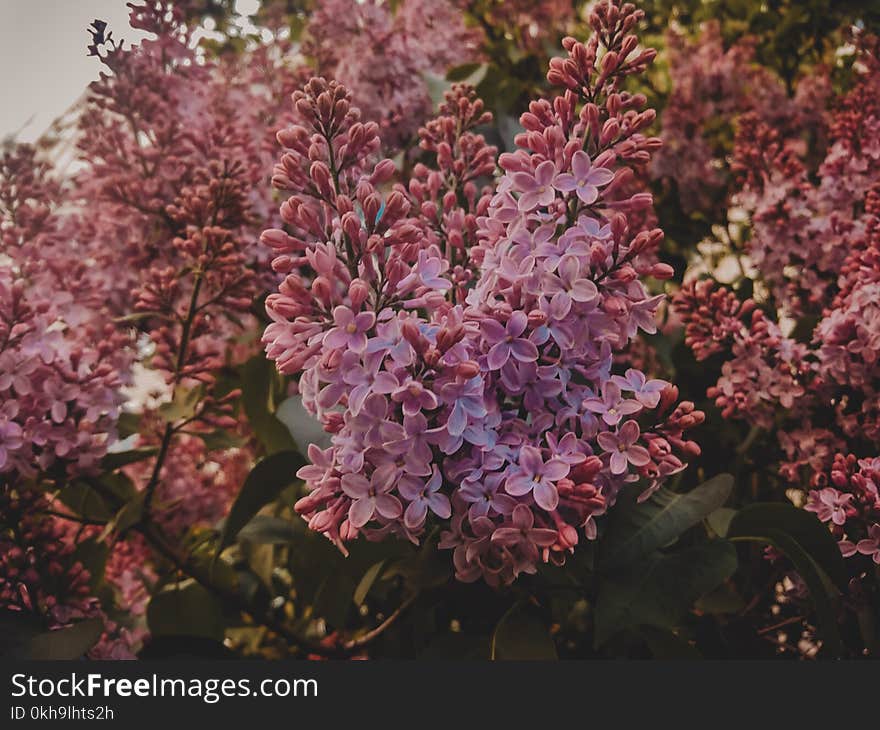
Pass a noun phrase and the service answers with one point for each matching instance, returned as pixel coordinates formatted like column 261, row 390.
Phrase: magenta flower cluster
column 458, row 343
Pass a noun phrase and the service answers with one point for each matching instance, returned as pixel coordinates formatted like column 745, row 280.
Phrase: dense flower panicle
column 382, row 56
column 815, row 237
column 458, row 344
column 801, row 230
column 711, row 87
column 175, row 153
column 763, row 370
column 61, row 360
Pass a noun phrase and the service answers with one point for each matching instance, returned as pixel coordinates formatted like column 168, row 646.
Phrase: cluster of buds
column 38, row 574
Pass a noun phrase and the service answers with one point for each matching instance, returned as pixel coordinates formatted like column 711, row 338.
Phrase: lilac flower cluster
column 815, row 237
column 60, row 360
column 382, row 55
column 848, row 499
column 712, row 85
column 458, row 343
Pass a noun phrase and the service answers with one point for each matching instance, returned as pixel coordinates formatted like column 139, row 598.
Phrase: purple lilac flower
column 568, row 286
column 524, row 536
column 585, row 180
column 611, row 406
column 646, row 392
column 622, row 447
column 829, row 505
column 506, row 341
column 537, row 189
column 371, row 496
column 350, row 330
column 537, row 476
column 871, row 545
column 425, row 497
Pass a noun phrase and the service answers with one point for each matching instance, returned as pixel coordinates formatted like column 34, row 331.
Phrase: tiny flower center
column 612, row 411
column 414, row 389
column 621, row 447
column 351, row 328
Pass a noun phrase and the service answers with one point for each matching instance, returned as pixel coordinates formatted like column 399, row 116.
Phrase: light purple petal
column 361, row 511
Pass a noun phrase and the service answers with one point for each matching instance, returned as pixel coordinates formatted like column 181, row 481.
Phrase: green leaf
column 639, row 529
column 302, row 425
column 801, row 536
column 117, row 460
column 263, row 485
column 85, row 501
column 266, row 530
column 468, row 73
column 186, row 610
column 93, row 555
column 185, row 648
column 456, row 646
column 661, row 588
column 64, row 644
column 258, row 385
column 128, row 516
column 804, row 527
column 520, row 635
column 363, row 588
column 436, row 85
column 460, row 73
column 221, row 440
column 128, row 424
column 120, row 486
column 720, row 519
column 182, row 406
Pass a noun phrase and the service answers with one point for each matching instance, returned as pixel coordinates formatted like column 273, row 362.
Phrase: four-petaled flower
column 414, row 397
column 371, row 495
column 585, row 180
column 647, row 392
column 537, row 190
column 871, row 544
column 507, row 341
column 623, row 448
column 537, row 476
column 422, row 498
column 350, row 330
column 525, row 536
column 568, row 286
column 829, row 505
column 612, row 407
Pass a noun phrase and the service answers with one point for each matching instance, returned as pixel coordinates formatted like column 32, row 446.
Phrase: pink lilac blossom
column 382, row 54
column 462, row 403
column 61, row 360
column 817, row 238
column 712, row 85
column 848, row 499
